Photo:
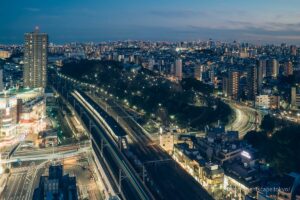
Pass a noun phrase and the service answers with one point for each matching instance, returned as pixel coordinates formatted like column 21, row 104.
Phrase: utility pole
column 121, row 177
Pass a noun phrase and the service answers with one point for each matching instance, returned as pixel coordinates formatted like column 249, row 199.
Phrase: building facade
column 35, row 59
column 1, row 80
column 288, row 68
column 4, row 54
column 231, row 85
column 21, row 109
column 267, row 102
column 252, row 82
column 178, row 69
column 295, row 97
column 56, row 185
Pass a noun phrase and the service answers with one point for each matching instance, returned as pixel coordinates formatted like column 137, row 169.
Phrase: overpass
column 45, row 156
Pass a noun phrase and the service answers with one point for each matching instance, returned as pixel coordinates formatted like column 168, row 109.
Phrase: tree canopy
column 150, row 92
column 281, row 150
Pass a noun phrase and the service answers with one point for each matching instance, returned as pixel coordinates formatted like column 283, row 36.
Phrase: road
column 21, row 183
column 246, row 119
column 13, row 189
column 24, row 179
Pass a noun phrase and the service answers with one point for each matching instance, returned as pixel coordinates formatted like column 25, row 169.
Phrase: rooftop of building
column 47, row 133
column 212, row 169
column 248, row 176
column 65, row 185
column 289, row 182
column 192, row 154
column 297, row 191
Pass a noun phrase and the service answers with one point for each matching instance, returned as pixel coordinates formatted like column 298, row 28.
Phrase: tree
column 257, row 139
column 190, row 83
column 286, row 151
column 281, row 150
column 268, row 124
column 148, row 91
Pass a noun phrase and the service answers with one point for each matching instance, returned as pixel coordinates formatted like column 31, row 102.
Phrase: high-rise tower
column 252, row 82
column 1, row 80
column 35, row 59
column 178, row 69
column 231, row 84
column 261, row 73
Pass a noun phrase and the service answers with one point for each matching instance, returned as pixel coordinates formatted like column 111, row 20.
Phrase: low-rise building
column 227, row 152
column 219, row 145
column 267, row 102
column 166, row 141
column 4, row 54
column 48, row 138
column 268, row 191
column 210, row 175
column 56, row 185
column 213, row 177
column 242, row 175
column 8, row 116
column 289, row 185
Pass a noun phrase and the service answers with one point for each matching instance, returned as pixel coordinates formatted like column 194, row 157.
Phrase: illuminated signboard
column 246, row 154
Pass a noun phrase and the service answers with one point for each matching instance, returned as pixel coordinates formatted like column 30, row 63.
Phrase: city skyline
column 150, row 100
column 255, row 21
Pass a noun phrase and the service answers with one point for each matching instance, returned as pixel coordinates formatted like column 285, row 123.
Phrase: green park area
column 153, row 95
column 278, row 142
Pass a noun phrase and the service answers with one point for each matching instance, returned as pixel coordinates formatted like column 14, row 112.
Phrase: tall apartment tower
column 262, row 63
column 1, row 80
column 288, row 68
column 272, row 68
column 234, row 78
column 198, row 72
column 275, row 65
column 35, row 59
column 252, row 82
column 295, row 97
column 178, row 69
column 293, row 50
column 261, row 73
column 269, row 68
column 231, row 84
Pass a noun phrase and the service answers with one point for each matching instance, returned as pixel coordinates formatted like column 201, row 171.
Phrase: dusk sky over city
column 150, row 99
column 65, row 21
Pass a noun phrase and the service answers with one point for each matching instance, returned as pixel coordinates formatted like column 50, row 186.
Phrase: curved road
column 245, row 119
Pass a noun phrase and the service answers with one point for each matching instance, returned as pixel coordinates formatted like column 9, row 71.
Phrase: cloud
column 271, row 27
column 30, row 9
column 246, row 31
column 279, row 26
column 178, row 13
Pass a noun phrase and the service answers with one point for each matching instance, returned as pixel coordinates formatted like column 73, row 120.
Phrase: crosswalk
column 20, row 169
column 16, row 188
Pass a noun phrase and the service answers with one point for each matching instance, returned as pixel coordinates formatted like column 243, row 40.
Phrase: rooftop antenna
column 37, row 29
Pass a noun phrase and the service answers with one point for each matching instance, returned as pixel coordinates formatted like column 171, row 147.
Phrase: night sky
column 164, row 20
